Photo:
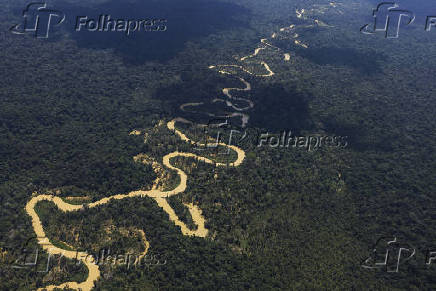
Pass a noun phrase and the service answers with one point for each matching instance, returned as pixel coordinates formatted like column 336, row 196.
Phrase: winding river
column 161, row 196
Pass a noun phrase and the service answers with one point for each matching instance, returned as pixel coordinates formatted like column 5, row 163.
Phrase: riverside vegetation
column 282, row 219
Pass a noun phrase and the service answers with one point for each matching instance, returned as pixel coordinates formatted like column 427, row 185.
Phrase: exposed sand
column 146, row 243
column 191, row 104
column 155, row 193
column 93, row 271
column 77, row 197
column 135, row 132
column 158, row 195
column 284, row 33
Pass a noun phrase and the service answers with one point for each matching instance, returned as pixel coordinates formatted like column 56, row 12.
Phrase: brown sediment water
column 287, row 32
column 159, row 196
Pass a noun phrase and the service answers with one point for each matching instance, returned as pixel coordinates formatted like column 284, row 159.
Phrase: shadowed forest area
column 286, row 218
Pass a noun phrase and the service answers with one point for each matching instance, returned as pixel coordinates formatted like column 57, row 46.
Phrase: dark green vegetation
column 285, row 218
column 344, row 57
